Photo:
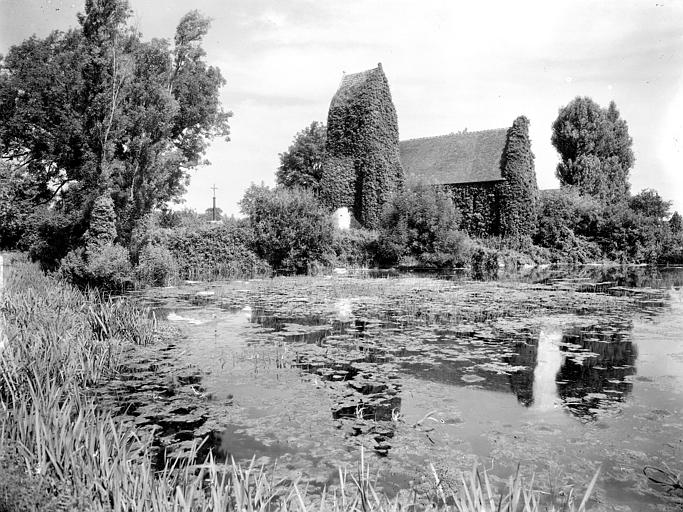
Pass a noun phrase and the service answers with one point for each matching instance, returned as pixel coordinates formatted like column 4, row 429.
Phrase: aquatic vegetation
column 312, row 371
column 60, row 446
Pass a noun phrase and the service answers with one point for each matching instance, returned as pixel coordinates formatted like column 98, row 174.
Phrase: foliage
column 185, row 218
column 595, row 149
column 338, row 183
column 14, row 209
column 97, row 108
column 355, row 248
column 478, row 204
column 49, row 235
column 106, row 267
column 567, row 225
column 221, row 251
column 676, row 223
column 628, row 236
column 362, row 127
column 649, row 203
column 156, row 266
column 292, row 232
column 421, row 222
column 109, row 268
column 301, row 164
column 484, row 264
column 519, row 192
column 102, row 225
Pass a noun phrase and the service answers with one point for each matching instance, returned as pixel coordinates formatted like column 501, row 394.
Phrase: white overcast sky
column 450, row 64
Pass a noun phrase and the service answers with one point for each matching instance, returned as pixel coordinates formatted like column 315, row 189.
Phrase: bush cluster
column 420, row 223
column 290, row 229
column 220, row 251
column 101, row 263
column 580, row 228
column 355, row 248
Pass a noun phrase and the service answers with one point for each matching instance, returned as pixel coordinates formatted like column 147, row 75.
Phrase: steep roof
column 351, row 83
column 456, row 158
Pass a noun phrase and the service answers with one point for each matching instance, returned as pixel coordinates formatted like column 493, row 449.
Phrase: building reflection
column 597, row 361
column 583, row 369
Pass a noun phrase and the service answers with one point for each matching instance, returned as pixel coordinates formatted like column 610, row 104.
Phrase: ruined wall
column 362, row 131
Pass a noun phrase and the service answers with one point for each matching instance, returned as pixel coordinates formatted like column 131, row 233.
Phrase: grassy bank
column 59, row 451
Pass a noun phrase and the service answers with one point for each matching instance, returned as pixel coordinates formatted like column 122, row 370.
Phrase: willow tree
column 99, row 110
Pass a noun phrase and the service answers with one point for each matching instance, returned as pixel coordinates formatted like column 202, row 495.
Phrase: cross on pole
column 213, row 212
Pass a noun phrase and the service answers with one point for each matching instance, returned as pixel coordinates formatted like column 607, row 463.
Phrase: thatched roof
column 350, row 84
column 456, row 158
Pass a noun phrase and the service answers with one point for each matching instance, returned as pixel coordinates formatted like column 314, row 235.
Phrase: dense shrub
column 220, row 251
column 291, row 230
column 48, row 237
column 355, row 248
column 567, row 224
column 630, row 237
column 109, row 268
column 484, row 264
column 156, row 265
column 421, row 223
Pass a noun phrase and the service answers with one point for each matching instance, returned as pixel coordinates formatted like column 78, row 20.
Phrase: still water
column 559, row 375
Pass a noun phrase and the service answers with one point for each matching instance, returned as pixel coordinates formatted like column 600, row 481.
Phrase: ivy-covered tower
column 362, row 166
column 519, row 192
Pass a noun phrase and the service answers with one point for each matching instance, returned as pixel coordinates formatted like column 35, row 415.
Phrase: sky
column 451, row 65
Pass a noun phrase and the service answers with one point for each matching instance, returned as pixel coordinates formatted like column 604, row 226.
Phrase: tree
column 291, row 229
column 98, row 109
column 519, row 191
column 595, row 149
column 649, row 203
column 301, row 165
column 676, row 223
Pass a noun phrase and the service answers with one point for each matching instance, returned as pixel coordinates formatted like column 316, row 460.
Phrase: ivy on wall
column 519, row 191
column 478, row 204
column 338, row 183
column 362, row 128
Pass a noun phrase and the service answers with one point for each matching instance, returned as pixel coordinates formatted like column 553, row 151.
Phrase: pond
column 555, row 374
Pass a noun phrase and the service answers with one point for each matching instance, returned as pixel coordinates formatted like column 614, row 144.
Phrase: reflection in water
column 549, row 361
column 598, row 361
column 521, row 382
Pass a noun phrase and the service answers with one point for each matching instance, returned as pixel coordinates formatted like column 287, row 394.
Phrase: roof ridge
column 459, row 134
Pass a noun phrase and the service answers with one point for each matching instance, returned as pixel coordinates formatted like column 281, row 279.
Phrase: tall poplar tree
column 595, row 149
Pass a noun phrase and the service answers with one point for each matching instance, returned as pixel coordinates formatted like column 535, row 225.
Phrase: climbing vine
column 362, row 128
column 519, row 191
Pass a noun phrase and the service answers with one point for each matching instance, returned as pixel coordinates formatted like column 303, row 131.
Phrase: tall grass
column 55, row 441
